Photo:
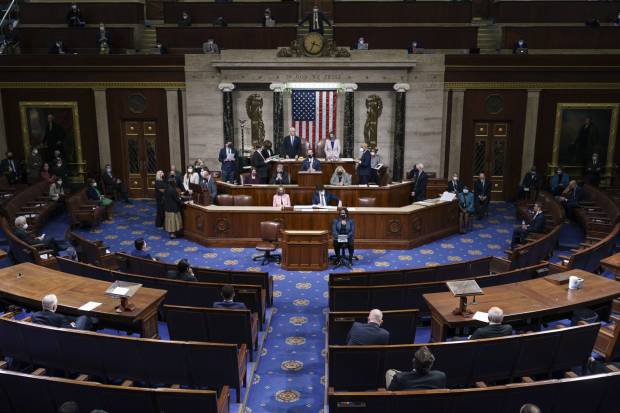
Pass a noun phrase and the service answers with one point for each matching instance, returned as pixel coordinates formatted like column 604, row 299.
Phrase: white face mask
column 25, row 226
column 108, row 170
column 465, row 191
column 361, row 150
column 456, row 178
column 59, row 183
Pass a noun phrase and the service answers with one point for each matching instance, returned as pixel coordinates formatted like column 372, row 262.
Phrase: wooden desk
column 612, row 263
column 310, row 179
column 390, row 228
column 74, row 291
column 304, row 250
column 293, row 166
column 520, row 301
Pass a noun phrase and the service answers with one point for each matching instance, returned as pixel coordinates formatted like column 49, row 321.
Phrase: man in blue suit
column 49, row 317
column 139, row 250
column 341, row 227
column 370, row 333
column 291, row 145
column 419, row 187
column 321, row 197
column 311, row 163
column 559, row 181
column 228, row 158
column 228, row 294
column 363, row 169
column 536, row 225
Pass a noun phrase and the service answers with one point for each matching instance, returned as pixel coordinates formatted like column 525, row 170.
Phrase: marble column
column 103, row 131
column 278, row 114
column 227, row 104
column 456, row 131
column 348, row 134
column 529, row 133
column 3, row 141
column 174, row 132
column 400, row 109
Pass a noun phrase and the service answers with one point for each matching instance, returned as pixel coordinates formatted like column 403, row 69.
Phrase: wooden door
column 140, row 152
column 491, row 155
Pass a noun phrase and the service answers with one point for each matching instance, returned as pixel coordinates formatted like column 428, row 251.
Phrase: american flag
column 314, row 114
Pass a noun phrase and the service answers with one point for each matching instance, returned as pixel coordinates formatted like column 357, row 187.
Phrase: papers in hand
column 230, row 157
column 119, row 291
column 379, row 165
column 481, row 316
column 343, row 238
column 89, row 306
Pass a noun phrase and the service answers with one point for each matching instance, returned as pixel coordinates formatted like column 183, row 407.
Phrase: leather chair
column 243, row 200
column 367, row 202
column 269, row 232
column 225, row 200
column 244, row 177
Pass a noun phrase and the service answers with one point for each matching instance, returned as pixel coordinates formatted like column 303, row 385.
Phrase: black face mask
column 310, row 156
column 339, row 173
column 343, row 217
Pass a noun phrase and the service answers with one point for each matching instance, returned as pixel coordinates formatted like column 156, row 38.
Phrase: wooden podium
column 304, row 250
column 305, row 178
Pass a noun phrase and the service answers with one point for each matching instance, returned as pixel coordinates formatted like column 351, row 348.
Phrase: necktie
column 322, row 199
column 332, row 144
column 292, row 140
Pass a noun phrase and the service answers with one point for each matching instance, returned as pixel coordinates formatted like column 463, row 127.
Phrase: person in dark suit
column 495, row 327
column 267, row 150
column 20, row 231
column 208, row 183
column 530, row 183
column 311, row 164
column 74, row 17
column 369, row 334
column 537, row 225
column 520, row 47
column 58, row 48
column 529, row 407
column 413, row 173
column 570, row 198
column 184, row 271
column 482, row 195
column 228, row 158
column 228, row 294
column 455, row 186
column 175, row 176
column 291, row 145
column 320, row 197
column 258, row 162
column 139, row 249
column 280, row 176
column 49, row 317
column 103, row 36
column 420, row 378
column 559, row 181
column 340, row 227
column 316, row 20
column 173, row 220
column 363, row 168
column 593, row 170
column 10, row 168
column 185, row 20
column 419, row 187
column 115, row 184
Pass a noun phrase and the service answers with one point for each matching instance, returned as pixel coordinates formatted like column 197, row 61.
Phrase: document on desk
column 481, row 316
column 120, row 291
column 89, row 306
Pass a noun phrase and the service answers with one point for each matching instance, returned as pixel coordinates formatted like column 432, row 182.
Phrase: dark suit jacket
column 284, row 181
column 411, row 380
column 93, row 194
column 141, row 254
column 184, row 276
column 362, row 334
column 479, row 190
column 492, row 331
column 329, row 198
column 530, row 181
column 109, row 181
column 4, row 167
column 209, row 185
column 172, row 202
column 48, row 318
column 228, row 166
column 290, row 150
column 316, row 165
column 420, row 186
column 258, row 162
column 25, row 236
column 538, row 223
column 363, row 169
column 233, row 305
column 451, row 186
column 336, row 228
column 576, row 196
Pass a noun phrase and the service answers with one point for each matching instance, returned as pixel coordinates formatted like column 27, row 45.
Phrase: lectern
column 305, row 178
column 464, row 289
column 304, row 250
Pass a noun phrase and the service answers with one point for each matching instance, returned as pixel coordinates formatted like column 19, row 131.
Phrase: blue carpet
column 289, row 375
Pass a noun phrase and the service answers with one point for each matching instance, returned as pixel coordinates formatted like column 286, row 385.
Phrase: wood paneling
column 86, row 108
column 281, row 12
column 186, row 39
column 553, row 11
column 401, row 37
column 513, row 113
column 76, row 39
column 402, row 12
column 92, row 13
column 562, row 37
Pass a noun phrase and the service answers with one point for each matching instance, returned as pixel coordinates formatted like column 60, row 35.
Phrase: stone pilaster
column 456, row 132
column 348, row 135
column 400, row 109
column 103, row 132
column 227, row 104
column 529, row 133
column 278, row 114
column 174, row 132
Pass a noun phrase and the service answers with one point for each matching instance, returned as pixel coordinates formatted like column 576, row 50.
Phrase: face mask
column 35, row 152
column 190, row 170
column 253, row 174
column 343, row 216
column 372, row 154
column 108, row 169
column 456, row 178
column 25, row 226
column 58, row 165
column 95, row 185
column 559, row 172
column 465, row 191
column 280, row 193
column 339, row 173
column 59, row 183
column 310, row 156
column 361, row 150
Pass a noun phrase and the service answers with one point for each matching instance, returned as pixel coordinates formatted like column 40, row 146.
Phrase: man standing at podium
column 311, row 164
column 291, row 145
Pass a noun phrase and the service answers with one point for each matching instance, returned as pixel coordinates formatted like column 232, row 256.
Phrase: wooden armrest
column 39, row 372
column 614, row 318
column 586, row 244
column 570, row 375
column 9, row 316
column 527, row 379
column 127, row 383
column 606, row 332
column 3, row 365
column 508, row 251
column 223, row 400
column 611, row 368
column 82, row 377
column 381, row 389
column 564, row 257
column 480, row 384
column 561, row 326
column 175, row 386
column 580, row 323
column 27, row 319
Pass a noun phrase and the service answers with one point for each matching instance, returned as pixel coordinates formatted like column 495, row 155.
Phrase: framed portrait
column 582, row 129
column 51, row 126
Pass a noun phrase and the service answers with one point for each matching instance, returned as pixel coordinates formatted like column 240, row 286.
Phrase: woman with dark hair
column 173, row 222
column 184, row 271
column 343, row 230
column 46, row 174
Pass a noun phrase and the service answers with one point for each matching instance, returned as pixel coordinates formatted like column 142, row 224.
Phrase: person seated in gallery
column 228, row 296
column 58, row 48
column 414, row 47
column 420, row 378
column 570, row 198
column 340, row 177
column 46, row 174
column 482, row 195
column 252, row 178
column 183, row 271
column 59, row 169
column 530, row 184
column 49, row 243
column 311, row 164
column 361, row 44
column 370, row 333
column 139, row 250
column 343, row 234
column 322, row 198
column 332, row 148
column 268, row 20
column 49, row 317
column 94, row 194
column 185, row 20
column 455, row 186
column 495, row 327
column 466, row 210
column 57, row 191
column 419, row 187
column 537, row 225
column 74, row 16
column 280, row 176
column 593, row 170
column 520, row 47
column 115, row 185
column 210, row 47
column 559, row 181
column 281, row 198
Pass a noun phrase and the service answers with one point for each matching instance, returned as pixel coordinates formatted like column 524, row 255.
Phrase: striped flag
column 314, row 114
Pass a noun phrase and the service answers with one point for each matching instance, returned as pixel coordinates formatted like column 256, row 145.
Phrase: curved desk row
column 386, row 228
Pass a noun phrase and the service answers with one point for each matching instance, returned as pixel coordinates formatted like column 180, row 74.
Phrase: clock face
column 313, row 43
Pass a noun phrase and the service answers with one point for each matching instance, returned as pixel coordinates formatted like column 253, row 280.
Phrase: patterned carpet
column 289, row 376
